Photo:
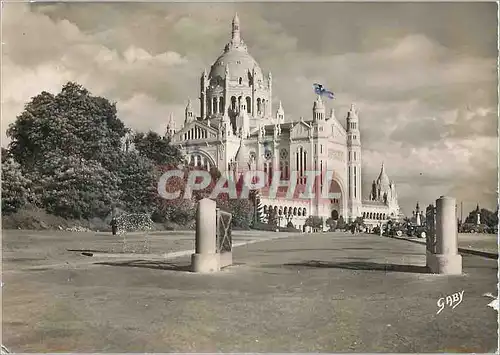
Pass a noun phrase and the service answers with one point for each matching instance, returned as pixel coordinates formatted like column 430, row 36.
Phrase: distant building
column 237, row 131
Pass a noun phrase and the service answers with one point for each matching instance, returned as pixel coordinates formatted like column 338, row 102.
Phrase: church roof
column 285, row 127
column 235, row 58
column 383, row 179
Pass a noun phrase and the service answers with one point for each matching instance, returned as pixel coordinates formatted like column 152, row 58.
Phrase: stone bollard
column 206, row 259
column 445, row 259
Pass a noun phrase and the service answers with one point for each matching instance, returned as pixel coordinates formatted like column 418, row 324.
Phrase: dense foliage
column 315, row 222
column 15, row 187
column 487, row 217
column 69, row 156
column 73, row 122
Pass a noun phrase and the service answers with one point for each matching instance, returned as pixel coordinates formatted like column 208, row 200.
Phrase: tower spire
column 236, row 29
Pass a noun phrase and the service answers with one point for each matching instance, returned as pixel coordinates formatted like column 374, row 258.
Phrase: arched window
column 264, row 106
column 249, row 104
column 233, row 103
column 258, row 105
column 214, row 105
column 295, row 211
column 304, row 211
column 221, row 104
column 240, row 80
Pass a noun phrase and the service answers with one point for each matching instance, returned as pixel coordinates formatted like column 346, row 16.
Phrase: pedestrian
column 114, row 225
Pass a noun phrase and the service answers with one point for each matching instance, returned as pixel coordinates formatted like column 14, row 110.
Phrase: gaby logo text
column 451, row 301
column 198, row 180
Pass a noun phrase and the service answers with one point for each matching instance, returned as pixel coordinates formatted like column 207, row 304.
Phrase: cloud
column 145, row 113
column 426, row 93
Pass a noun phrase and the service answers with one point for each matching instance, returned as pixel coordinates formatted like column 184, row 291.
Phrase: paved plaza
column 329, row 292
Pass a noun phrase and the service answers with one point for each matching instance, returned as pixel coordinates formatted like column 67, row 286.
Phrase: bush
column 314, row 222
column 289, row 229
column 264, row 227
column 15, row 187
column 31, row 217
column 331, row 223
column 242, row 211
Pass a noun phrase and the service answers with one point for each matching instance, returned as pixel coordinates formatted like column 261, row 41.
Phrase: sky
column 423, row 75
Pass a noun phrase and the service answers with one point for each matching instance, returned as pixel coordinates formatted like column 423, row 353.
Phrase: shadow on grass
column 148, row 264
column 358, row 249
column 293, row 250
column 92, row 251
column 361, row 265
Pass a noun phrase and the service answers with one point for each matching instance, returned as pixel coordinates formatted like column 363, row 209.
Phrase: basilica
column 237, row 130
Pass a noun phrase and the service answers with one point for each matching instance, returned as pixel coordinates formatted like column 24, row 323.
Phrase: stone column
column 206, row 259
column 446, row 259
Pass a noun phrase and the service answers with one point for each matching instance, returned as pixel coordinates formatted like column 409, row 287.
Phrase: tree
column 331, row 223
column 15, row 187
column 314, row 222
column 138, row 183
column 77, row 188
column 359, row 221
column 72, row 123
column 487, row 217
column 254, row 196
column 241, row 209
column 341, row 223
column 5, row 154
column 272, row 217
column 157, row 148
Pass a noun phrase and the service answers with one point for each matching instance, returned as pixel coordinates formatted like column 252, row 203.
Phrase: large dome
column 235, row 58
column 383, row 179
column 239, row 63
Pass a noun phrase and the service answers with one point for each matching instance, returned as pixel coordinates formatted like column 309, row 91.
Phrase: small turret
column 280, row 114
column 170, row 127
column 203, row 93
column 374, row 196
column 188, row 113
column 235, row 33
column 318, row 110
column 331, row 116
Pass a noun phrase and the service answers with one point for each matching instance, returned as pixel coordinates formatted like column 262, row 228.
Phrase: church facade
column 237, row 130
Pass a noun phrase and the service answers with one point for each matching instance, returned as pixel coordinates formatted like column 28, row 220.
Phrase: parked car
column 475, row 228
